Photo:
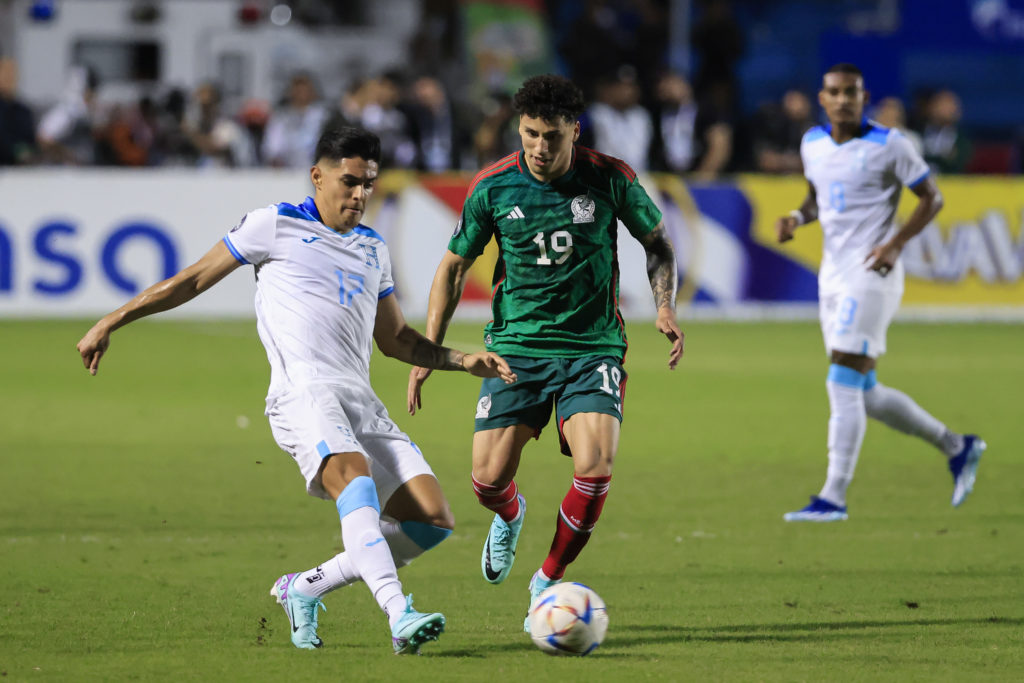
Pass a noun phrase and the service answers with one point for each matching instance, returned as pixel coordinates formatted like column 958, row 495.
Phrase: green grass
column 141, row 526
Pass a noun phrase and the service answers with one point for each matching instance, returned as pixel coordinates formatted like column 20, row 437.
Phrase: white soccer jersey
column 316, row 293
column 858, row 186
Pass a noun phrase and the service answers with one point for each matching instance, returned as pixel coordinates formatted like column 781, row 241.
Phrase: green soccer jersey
column 556, row 282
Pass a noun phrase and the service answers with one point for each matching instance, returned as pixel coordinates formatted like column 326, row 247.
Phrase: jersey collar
column 524, row 170
column 865, row 128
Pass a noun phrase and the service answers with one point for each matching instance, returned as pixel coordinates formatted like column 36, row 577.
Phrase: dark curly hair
column 549, row 97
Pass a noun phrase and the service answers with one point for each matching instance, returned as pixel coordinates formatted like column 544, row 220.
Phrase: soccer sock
column 366, row 547
column 577, row 517
column 846, row 426
column 900, row 412
column 503, row 501
column 406, row 540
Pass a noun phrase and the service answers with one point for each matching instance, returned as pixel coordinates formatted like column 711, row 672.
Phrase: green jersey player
column 553, row 209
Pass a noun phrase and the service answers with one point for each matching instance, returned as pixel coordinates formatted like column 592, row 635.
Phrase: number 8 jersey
column 556, row 281
column 316, row 293
column 858, row 186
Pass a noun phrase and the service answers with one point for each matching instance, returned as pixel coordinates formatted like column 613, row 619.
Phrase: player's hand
column 417, row 376
column 882, row 258
column 785, row 226
column 93, row 345
column 488, row 364
column 666, row 324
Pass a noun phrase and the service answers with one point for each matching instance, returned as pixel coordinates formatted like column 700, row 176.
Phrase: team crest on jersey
column 483, row 407
column 583, row 209
column 370, row 251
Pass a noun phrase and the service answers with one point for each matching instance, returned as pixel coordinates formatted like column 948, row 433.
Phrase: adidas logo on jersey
column 515, row 213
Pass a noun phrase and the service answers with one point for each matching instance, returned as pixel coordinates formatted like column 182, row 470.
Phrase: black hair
column 845, row 68
column 549, row 97
column 345, row 142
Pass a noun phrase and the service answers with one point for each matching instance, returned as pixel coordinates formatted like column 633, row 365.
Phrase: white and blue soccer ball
column 568, row 619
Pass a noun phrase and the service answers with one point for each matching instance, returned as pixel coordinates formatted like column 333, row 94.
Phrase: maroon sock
column 502, row 500
column 580, row 510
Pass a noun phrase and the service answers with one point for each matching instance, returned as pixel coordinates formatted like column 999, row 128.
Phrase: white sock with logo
column 370, row 555
column 340, row 571
column 846, row 426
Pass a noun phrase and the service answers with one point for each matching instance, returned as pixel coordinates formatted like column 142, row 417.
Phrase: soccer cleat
column 537, row 586
column 964, row 467
column 415, row 628
column 819, row 510
column 301, row 612
column 500, row 547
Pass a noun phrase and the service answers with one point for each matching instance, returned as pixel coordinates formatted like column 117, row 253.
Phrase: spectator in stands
column 17, row 129
column 128, row 137
column 220, row 141
column 619, row 125
column 436, row 126
column 385, row 114
column 497, row 135
column 718, row 42
column 946, row 147
column 596, row 45
column 891, row 113
column 68, row 132
column 777, row 132
column 293, row 129
column 688, row 137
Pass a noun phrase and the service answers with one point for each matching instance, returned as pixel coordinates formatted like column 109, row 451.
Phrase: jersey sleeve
column 475, row 226
column 908, row 166
column 636, row 209
column 253, row 238
column 387, row 280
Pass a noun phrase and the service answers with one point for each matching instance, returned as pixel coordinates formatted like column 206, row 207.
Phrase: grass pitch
column 145, row 513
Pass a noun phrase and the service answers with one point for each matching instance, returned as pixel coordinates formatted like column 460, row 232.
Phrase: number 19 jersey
column 556, row 282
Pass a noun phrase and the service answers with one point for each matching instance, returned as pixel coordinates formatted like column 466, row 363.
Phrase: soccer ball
column 568, row 619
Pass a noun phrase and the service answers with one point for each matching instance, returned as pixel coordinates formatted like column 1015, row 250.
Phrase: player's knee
column 427, row 536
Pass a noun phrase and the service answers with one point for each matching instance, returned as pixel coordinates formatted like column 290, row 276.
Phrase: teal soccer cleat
column 301, row 611
column 537, row 586
column 500, row 547
column 964, row 467
column 415, row 628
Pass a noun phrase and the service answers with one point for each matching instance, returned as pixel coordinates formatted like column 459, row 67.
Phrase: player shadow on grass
column 654, row 633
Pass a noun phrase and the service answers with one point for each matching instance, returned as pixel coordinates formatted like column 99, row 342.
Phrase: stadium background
column 79, row 236
column 144, row 512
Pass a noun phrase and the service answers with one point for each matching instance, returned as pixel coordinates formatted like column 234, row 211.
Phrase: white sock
column 339, row 571
column 846, row 426
column 371, row 558
column 900, row 412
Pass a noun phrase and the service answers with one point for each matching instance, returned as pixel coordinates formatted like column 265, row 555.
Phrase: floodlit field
column 145, row 513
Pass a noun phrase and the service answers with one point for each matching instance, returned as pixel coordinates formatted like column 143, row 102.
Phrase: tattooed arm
column 661, row 271
column 396, row 339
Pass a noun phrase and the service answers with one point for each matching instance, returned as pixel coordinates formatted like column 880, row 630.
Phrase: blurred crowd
column 653, row 118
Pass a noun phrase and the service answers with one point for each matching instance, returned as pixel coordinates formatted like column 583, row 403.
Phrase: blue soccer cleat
column 537, row 586
column 415, row 628
column 301, row 611
column 500, row 547
column 819, row 510
column 965, row 467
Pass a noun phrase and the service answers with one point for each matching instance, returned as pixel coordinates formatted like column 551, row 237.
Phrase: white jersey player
column 856, row 171
column 324, row 291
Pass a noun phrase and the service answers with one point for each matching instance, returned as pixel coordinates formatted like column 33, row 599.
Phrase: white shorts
column 322, row 419
column 856, row 321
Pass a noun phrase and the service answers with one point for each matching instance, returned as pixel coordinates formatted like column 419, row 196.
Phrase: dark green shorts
column 591, row 384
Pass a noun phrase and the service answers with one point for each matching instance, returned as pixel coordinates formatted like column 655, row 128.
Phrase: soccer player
column 323, row 289
column 856, row 170
column 553, row 209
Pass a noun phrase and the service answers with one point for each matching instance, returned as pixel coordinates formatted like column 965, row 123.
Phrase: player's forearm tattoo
column 661, row 268
column 427, row 354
